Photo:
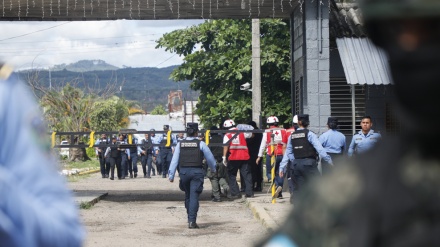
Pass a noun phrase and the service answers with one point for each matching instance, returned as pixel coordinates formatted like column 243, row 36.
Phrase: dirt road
column 150, row 212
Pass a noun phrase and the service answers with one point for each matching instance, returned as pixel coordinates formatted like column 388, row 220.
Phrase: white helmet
column 272, row 119
column 228, row 123
column 295, row 119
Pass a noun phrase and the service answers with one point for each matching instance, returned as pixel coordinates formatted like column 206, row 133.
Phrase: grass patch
column 93, row 164
column 85, row 205
column 76, row 178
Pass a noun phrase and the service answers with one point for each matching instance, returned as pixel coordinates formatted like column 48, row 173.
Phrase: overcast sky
column 120, row 43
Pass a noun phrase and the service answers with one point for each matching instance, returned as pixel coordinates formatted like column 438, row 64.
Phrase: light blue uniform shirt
column 313, row 139
column 161, row 137
column 206, row 152
column 36, row 208
column 333, row 141
column 361, row 143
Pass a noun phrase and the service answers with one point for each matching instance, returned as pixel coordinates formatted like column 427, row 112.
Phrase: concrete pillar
column 311, row 56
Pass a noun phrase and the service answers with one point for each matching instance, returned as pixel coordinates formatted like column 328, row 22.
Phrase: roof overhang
column 363, row 62
column 90, row 10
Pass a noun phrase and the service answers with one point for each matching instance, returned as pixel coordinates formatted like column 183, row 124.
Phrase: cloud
column 120, row 43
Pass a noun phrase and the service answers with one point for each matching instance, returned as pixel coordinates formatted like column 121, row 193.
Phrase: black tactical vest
column 102, row 141
column 164, row 142
column 146, row 146
column 114, row 152
column 133, row 149
column 217, row 151
column 190, row 153
column 301, row 146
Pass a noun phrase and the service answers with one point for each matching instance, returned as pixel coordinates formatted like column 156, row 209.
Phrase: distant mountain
column 85, row 65
column 149, row 86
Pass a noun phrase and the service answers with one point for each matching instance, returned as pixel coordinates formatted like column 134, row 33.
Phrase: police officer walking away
column 303, row 147
column 365, row 139
column 333, row 142
column 189, row 154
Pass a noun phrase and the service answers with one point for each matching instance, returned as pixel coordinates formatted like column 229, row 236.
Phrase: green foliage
column 158, row 110
column 103, row 116
column 91, row 152
column 218, row 60
column 85, row 205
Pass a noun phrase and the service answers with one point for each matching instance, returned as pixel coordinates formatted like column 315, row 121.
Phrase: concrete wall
column 316, row 64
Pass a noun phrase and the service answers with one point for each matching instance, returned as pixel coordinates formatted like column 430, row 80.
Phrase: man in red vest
column 238, row 159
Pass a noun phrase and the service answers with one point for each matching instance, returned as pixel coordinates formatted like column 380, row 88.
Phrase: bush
column 91, row 152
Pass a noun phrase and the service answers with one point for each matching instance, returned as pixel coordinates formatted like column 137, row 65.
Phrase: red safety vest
column 280, row 139
column 238, row 147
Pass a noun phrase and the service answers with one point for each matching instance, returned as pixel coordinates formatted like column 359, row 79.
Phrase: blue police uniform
column 306, row 167
column 334, row 144
column 103, row 162
column 165, row 154
column 36, row 209
column 132, row 162
column 191, row 176
column 361, row 143
column 147, row 158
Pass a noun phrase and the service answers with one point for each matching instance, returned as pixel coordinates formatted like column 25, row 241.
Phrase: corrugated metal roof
column 346, row 19
column 363, row 62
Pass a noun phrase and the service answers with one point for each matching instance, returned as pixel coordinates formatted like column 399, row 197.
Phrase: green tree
column 158, row 110
column 67, row 109
column 218, row 60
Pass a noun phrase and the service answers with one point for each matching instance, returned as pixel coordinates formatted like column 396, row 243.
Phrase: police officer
column 333, row 142
column 114, row 156
column 365, row 139
column 132, row 162
column 302, row 148
column 219, row 178
column 103, row 162
column 36, row 207
column 280, row 140
column 165, row 153
column 124, row 158
column 147, row 153
column 189, row 155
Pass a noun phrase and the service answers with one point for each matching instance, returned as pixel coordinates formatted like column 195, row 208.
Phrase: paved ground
column 144, row 212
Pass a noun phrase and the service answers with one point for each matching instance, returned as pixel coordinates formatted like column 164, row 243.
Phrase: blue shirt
column 313, row 139
column 36, row 208
column 175, row 161
column 333, row 141
column 361, row 143
column 160, row 138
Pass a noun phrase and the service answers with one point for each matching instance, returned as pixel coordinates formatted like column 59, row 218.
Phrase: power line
column 41, row 30
column 166, row 60
column 85, row 39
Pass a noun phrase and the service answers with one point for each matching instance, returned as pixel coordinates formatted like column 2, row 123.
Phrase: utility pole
column 256, row 72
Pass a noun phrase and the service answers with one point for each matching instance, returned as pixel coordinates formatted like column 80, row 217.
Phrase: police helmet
column 272, row 120
column 228, row 123
column 166, row 127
